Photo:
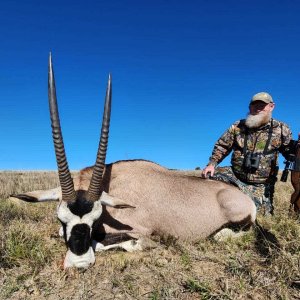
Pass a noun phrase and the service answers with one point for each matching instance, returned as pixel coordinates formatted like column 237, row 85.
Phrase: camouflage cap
column 263, row 96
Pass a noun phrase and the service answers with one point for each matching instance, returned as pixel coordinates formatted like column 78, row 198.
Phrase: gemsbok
column 123, row 203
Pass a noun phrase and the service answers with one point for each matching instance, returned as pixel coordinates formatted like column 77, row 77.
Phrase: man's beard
column 256, row 121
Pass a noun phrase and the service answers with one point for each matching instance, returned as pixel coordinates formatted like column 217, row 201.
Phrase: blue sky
column 182, row 72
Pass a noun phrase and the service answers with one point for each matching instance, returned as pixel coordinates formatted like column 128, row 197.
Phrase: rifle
column 295, row 179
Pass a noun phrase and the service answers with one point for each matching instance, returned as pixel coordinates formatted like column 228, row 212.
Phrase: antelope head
column 77, row 210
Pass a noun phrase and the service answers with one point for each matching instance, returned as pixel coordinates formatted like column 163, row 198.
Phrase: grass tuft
column 201, row 288
column 24, row 245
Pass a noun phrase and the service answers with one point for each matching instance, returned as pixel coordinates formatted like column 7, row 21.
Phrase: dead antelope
column 133, row 199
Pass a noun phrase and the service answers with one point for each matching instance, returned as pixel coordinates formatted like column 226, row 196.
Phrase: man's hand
column 208, row 169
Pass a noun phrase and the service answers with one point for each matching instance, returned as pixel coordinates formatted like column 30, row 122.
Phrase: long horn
column 94, row 191
column 66, row 182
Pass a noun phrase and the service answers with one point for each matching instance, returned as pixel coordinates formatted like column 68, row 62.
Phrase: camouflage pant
column 260, row 193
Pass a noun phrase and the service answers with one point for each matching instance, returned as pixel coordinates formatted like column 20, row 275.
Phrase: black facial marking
column 80, row 239
column 98, row 230
column 80, row 207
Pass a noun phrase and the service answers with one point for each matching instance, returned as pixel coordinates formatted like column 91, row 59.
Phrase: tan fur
column 168, row 202
column 161, row 201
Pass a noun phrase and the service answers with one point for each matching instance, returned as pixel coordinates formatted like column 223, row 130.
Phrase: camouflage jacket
column 234, row 140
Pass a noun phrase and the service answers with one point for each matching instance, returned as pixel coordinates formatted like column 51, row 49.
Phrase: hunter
column 255, row 143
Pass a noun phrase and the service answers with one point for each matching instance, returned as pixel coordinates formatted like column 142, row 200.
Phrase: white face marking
column 79, row 261
column 95, row 214
column 67, row 217
column 70, row 220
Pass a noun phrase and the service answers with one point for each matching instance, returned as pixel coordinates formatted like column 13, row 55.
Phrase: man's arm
column 288, row 145
column 221, row 149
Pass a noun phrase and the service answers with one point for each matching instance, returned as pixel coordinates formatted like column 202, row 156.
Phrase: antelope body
column 133, row 199
column 168, row 202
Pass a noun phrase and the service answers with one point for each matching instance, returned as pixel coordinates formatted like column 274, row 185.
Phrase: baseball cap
column 262, row 96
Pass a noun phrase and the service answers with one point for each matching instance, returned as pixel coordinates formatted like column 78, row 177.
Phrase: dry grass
column 255, row 266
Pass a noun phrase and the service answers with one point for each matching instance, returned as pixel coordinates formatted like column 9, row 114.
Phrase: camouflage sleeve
column 223, row 146
column 288, row 145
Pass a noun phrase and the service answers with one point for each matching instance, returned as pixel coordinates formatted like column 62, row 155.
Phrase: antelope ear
column 40, row 195
column 64, row 214
column 113, row 201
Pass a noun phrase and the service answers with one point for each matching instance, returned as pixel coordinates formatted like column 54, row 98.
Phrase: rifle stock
column 295, row 179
